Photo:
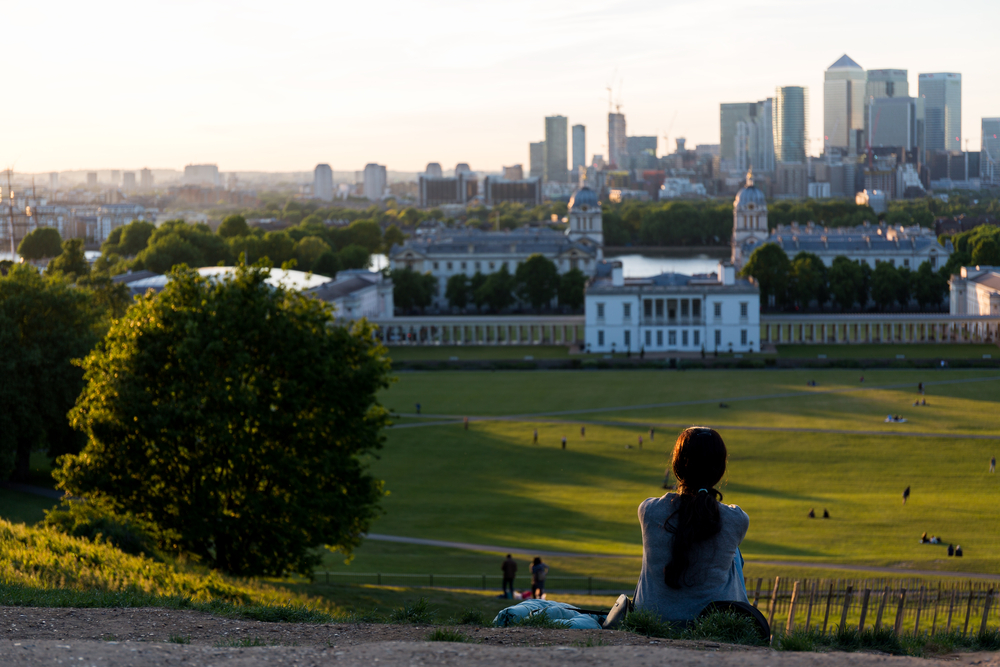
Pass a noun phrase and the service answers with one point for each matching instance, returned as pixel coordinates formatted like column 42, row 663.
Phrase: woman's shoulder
column 652, row 503
column 734, row 514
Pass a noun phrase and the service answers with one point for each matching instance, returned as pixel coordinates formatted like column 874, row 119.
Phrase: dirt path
column 113, row 637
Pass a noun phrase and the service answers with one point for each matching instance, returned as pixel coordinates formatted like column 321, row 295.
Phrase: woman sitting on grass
column 690, row 541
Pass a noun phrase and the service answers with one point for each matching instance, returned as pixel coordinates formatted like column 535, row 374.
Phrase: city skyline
column 206, row 91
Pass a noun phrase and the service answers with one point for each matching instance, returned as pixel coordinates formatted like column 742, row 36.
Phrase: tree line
column 308, row 246
column 535, row 282
column 224, row 421
column 803, row 281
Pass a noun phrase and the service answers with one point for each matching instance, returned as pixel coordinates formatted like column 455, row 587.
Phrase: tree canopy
column 71, row 261
column 40, row 243
column 234, row 416
column 769, row 266
column 537, row 280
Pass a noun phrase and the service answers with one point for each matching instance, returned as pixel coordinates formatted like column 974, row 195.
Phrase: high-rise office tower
column 375, row 181
column 579, row 146
column 989, row 157
column 896, row 122
column 116, row 177
column 433, row 170
column 513, row 173
column 146, row 179
column 536, row 159
column 887, row 83
column 617, row 143
column 128, row 181
column 323, row 182
column 843, row 104
column 641, row 153
column 791, row 109
column 942, row 93
column 747, row 136
column 556, row 150
column 201, row 174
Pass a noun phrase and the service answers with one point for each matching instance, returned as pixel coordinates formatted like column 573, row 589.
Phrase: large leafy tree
column 309, row 250
column 44, row 324
column 846, row 281
column 807, row 280
column 885, row 284
column 929, row 286
column 537, row 280
column 769, row 266
column 411, row 289
column 233, row 226
column 71, row 261
column 40, row 243
column 128, row 240
column 497, row 290
column 234, row 416
column 456, row 290
column 572, row 285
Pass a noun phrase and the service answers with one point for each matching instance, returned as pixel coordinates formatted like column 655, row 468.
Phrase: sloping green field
column 809, row 447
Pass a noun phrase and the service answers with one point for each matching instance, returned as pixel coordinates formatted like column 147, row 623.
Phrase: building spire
column 750, row 177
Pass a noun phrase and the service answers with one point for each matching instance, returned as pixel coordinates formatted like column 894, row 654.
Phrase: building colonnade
column 877, row 328
column 477, row 330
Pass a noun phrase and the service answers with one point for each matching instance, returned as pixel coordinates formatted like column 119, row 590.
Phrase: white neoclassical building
column 975, row 290
column 446, row 252
column 672, row 312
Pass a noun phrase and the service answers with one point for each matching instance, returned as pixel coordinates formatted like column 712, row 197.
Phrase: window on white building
column 649, row 338
column 684, row 338
column 463, row 266
column 718, row 337
column 491, row 266
column 628, row 339
column 435, row 266
column 717, row 309
column 933, row 261
column 659, row 338
column 697, row 336
column 744, row 309
column 647, row 308
column 685, row 307
column 696, row 308
column 477, row 266
column 449, row 266
column 672, row 338
column 627, row 311
column 892, row 261
column 600, row 339
column 659, row 308
column 906, row 262
column 743, row 336
column 600, row 311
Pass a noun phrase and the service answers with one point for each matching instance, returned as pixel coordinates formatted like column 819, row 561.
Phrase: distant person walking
column 535, row 440
column 920, row 387
column 539, row 571
column 652, row 434
column 826, row 515
column 640, row 442
column 583, row 431
column 509, row 569
column 418, row 408
column 906, row 494
column 564, row 442
column 993, row 464
column 812, row 514
column 466, row 422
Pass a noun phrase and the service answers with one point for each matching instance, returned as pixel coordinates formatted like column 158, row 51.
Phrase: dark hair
column 537, row 560
column 699, row 462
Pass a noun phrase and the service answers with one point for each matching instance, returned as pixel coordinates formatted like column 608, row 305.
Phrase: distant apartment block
column 128, row 181
column 433, row 170
column 527, row 191
column 536, row 159
column 53, row 181
column 146, row 179
column 375, row 182
column 199, row 195
column 513, row 173
column 441, row 190
column 91, row 179
column 323, row 182
column 202, row 174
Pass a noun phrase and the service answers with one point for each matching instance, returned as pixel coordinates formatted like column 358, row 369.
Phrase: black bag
column 623, row 606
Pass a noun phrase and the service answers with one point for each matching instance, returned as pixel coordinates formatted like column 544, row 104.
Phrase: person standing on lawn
column 539, row 571
column 509, row 569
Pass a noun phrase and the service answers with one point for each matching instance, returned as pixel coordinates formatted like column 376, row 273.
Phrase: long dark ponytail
column 699, row 462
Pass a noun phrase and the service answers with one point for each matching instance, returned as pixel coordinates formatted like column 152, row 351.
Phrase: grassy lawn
column 491, row 485
column 889, row 351
column 19, row 507
column 476, row 352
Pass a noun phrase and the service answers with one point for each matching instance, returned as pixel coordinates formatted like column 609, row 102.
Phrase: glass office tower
column 942, row 93
column 790, row 110
column 556, row 149
column 843, row 104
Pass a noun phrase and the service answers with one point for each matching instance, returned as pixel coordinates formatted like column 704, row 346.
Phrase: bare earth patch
column 149, row 637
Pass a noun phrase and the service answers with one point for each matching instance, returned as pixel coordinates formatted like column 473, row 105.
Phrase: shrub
column 724, row 626
column 418, row 612
column 648, row 623
column 447, row 635
column 95, row 521
column 472, row 616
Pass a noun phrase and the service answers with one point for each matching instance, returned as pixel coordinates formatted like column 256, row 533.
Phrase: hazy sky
column 280, row 86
